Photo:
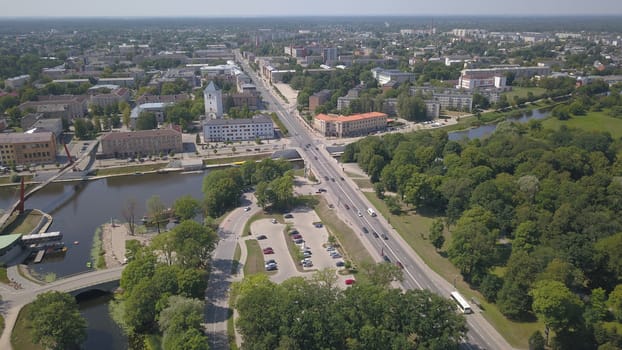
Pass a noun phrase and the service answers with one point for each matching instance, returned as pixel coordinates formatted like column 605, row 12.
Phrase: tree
column 129, row 214
column 186, row 207
column 140, row 307
column 146, row 121
column 82, row 128
column 381, row 274
column 555, row 305
column 615, row 302
column 193, row 244
column 537, row 341
column 156, row 210
column 436, row 234
column 56, row 321
column 180, row 316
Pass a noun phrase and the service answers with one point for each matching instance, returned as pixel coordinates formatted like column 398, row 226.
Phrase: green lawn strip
column 355, row 175
column 3, row 275
column 132, row 169
column 23, row 223
column 230, row 319
column 592, row 121
column 278, row 121
column 294, row 251
column 414, row 229
column 229, row 160
column 1, row 323
column 363, row 183
column 20, row 336
column 261, row 215
column 353, row 248
column 237, row 253
column 254, row 259
column 97, row 250
column 6, row 180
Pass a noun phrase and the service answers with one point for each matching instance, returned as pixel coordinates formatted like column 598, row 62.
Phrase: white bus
column 371, row 212
column 462, row 304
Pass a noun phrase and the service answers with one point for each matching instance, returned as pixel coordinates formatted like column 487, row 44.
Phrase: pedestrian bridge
column 105, row 280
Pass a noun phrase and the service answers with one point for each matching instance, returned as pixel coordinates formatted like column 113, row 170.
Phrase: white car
column 359, row 214
column 247, row 208
column 274, row 221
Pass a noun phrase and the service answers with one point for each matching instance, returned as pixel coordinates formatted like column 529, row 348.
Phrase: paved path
column 217, row 294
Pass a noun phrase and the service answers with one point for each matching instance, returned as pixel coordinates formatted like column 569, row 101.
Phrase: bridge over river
column 14, row 300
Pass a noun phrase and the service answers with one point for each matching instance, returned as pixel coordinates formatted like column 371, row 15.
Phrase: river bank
column 114, row 237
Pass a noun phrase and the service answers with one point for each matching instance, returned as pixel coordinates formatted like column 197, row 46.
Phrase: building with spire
column 213, row 101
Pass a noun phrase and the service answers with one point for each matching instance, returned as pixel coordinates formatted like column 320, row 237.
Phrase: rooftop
column 138, row 134
column 349, row 118
column 256, row 119
column 7, row 240
column 25, row 138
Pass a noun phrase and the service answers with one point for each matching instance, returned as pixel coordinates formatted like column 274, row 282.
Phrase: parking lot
column 315, row 237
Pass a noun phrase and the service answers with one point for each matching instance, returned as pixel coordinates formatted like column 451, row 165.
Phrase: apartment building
column 384, row 76
column 141, row 143
column 219, row 130
column 27, row 148
column 318, row 99
column 349, row 126
column 496, row 76
column 111, row 98
column 67, row 107
column 449, row 99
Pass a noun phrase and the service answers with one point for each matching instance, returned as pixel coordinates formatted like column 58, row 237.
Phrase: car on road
column 271, row 261
column 261, row 237
column 360, row 215
column 332, row 179
column 375, row 234
column 288, row 216
column 346, row 206
column 271, row 267
column 315, row 157
column 340, row 263
column 399, row 264
column 342, row 179
column 386, row 258
column 247, row 208
column 268, row 250
column 325, row 177
column 365, row 230
column 331, row 206
column 350, row 281
column 274, row 221
column 384, row 236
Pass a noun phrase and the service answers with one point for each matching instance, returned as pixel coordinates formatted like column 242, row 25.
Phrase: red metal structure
column 68, row 154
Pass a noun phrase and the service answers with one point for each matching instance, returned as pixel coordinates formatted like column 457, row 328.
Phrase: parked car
column 293, row 232
column 260, row 237
column 350, row 281
column 307, row 263
column 296, row 236
column 288, row 216
column 274, row 221
column 306, row 254
column 271, row 267
column 268, row 250
column 271, row 261
column 247, row 208
column 340, row 263
column 299, row 241
column 330, row 248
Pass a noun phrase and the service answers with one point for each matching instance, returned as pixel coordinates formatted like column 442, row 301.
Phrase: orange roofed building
column 351, row 125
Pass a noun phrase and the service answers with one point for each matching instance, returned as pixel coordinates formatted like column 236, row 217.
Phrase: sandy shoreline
column 114, row 237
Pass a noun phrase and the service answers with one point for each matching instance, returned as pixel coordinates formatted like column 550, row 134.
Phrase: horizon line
column 522, row 15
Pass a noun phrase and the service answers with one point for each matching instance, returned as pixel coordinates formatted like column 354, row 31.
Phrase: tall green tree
column 186, row 207
column 56, row 322
column 556, row 305
column 156, row 210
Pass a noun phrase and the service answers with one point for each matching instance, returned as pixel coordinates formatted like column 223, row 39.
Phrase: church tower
column 213, row 101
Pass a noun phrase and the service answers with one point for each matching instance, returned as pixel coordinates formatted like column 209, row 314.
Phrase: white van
column 371, row 212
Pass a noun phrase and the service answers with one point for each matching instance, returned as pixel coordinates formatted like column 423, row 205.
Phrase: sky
column 264, row 8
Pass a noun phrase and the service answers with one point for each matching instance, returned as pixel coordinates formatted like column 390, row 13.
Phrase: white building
column 213, row 101
column 257, row 127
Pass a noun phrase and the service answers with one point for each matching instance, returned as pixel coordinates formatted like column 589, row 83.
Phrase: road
column 220, row 278
column 417, row 274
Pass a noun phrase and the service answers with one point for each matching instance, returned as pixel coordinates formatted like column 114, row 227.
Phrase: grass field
column 3, row 276
column 229, row 160
column 24, row 223
column 347, row 238
column 20, row 337
column 6, row 180
column 522, row 92
column 363, row 183
column 128, row 169
column 593, row 121
column 254, row 260
column 414, row 229
column 236, row 259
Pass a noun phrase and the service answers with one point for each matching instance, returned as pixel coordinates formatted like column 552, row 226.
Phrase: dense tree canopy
column 312, row 314
column 56, row 322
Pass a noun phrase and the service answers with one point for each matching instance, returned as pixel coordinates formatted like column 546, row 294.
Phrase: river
column 487, row 129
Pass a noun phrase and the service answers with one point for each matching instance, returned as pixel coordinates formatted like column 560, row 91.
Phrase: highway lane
column 416, row 273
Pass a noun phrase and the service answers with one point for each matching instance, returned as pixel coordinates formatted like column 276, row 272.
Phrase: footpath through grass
column 20, row 337
column 414, row 229
column 254, row 258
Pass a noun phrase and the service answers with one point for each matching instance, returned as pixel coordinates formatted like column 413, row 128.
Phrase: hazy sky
column 260, row 8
